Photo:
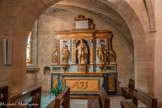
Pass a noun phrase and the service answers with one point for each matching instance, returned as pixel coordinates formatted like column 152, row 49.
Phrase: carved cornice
column 83, row 34
column 32, row 69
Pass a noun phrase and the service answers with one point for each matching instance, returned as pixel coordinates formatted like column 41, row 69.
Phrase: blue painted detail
column 88, row 55
column 106, row 84
column 59, row 82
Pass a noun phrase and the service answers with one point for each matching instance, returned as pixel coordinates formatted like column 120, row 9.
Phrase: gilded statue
column 82, row 52
column 112, row 56
column 54, row 57
column 65, row 53
column 100, row 54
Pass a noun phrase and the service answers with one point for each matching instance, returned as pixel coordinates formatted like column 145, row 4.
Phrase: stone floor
column 78, row 103
column 114, row 102
column 46, row 99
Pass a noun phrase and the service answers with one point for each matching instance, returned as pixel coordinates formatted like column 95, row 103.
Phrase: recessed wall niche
column 46, row 70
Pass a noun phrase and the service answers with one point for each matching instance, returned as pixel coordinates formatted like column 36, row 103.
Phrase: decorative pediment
column 83, row 23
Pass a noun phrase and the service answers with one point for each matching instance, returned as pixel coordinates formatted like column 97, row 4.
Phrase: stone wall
column 57, row 19
column 5, row 71
column 158, row 51
column 30, row 80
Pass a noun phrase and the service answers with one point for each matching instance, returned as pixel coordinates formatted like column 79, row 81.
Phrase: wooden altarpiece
column 89, row 70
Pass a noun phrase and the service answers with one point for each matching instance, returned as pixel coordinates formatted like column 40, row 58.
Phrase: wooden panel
column 31, row 96
column 111, row 81
column 82, row 74
column 62, row 100
column 144, row 98
column 131, row 84
column 3, row 96
column 80, row 35
column 127, row 92
column 70, row 50
column 74, row 55
column 58, row 51
column 91, row 55
column 104, row 99
column 84, row 85
column 55, row 80
column 101, row 35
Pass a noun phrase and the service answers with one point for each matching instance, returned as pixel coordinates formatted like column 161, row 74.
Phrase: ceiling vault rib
column 81, row 5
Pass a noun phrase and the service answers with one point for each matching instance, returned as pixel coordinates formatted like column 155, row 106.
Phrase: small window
column 28, row 48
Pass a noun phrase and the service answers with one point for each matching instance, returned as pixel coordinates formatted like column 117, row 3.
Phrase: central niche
column 84, row 51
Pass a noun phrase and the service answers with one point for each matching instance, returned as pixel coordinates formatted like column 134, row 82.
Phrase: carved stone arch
column 23, row 23
column 28, row 15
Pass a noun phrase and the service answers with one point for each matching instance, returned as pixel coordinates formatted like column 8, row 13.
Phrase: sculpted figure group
column 83, row 51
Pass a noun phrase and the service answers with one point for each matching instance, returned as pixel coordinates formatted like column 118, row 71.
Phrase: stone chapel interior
column 94, row 47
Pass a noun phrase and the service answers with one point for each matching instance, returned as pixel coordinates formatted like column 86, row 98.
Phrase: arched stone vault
column 106, row 13
column 102, row 8
column 150, row 12
column 26, row 12
column 102, row 19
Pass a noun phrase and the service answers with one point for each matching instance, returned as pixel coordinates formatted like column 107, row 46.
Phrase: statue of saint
column 82, row 52
column 54, row 57
column 100, row 54
column 65, row 53
column 112, row 56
